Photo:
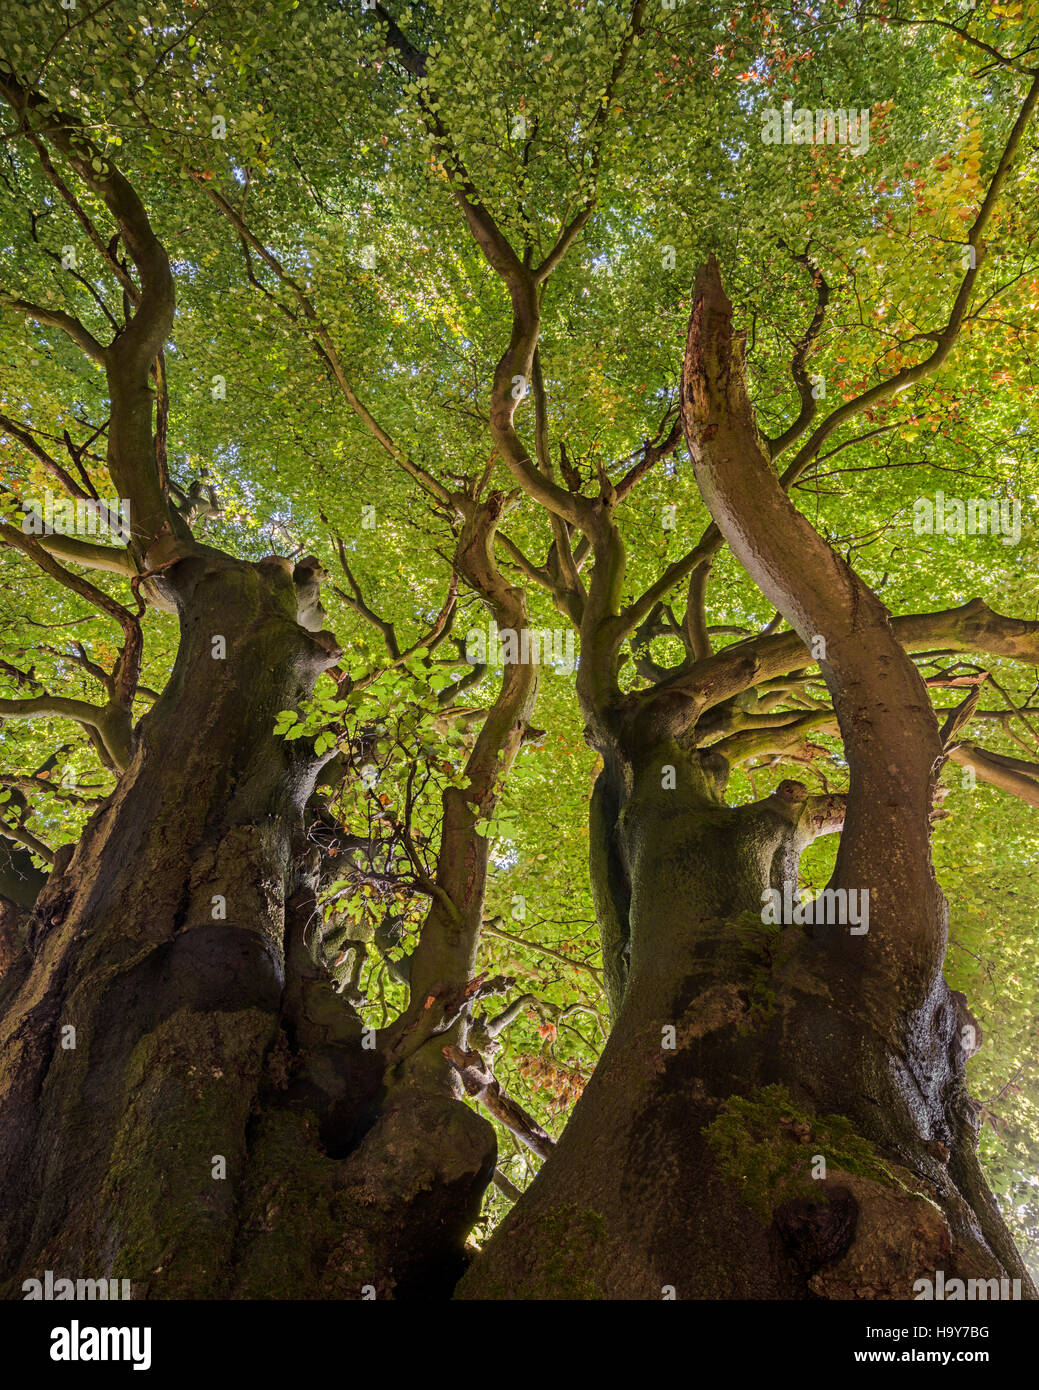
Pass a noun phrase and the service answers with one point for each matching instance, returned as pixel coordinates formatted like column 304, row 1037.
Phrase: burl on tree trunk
column 780, row 1111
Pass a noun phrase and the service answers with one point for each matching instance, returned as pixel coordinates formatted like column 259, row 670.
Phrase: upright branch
column 798, row 367
column 944, row 339
column 446, row 952
column 889, row 729
column 523, row 282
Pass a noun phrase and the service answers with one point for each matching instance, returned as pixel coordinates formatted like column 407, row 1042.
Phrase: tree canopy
column 425, row 318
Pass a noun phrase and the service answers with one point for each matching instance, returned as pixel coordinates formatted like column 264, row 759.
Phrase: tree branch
column 945, row 337
column 1011, row 775
column 886, row 721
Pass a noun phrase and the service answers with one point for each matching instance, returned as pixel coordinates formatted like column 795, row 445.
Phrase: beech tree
column 702, row 336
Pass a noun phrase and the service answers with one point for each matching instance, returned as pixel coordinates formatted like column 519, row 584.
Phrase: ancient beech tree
column 176, row 938
column 193, row 1094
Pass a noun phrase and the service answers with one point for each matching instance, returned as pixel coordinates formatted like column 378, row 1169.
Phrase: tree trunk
column 780, row 1110
column 213, row 1126
column 741, row 1054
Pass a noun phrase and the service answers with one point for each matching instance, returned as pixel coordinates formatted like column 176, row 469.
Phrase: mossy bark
column 155, row 1148
column 742, row 1054
column 777, row 1113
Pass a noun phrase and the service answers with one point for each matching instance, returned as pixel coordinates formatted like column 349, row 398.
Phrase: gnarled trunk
column 214, row 1126
column 742, row 1054
column 780, row 1111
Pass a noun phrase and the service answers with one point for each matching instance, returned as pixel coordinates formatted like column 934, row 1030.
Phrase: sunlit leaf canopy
column 316, row 130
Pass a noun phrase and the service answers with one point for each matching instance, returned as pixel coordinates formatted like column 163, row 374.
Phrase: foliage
column 329, row 158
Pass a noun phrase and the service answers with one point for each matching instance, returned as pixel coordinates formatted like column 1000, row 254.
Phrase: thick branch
column 1019, row 778
column 56, row 318
column 888, row 726
column 129, row 359
column 480, row 1083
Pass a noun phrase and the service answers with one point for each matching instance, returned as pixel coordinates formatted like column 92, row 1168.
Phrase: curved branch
column 803, row 382
column 57, row 318
column 129, row 358
column 1013, row 775
column 945, row 337
column 480, row 1083
column 18, row 835
column 889, row 729
column 493, row 928
column 53, row 707
column 973, row 629
column 91, row 556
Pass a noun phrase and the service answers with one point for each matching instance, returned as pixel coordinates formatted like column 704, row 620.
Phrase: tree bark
column 689, row 1159
column 214, row 1126
column 781, row 1110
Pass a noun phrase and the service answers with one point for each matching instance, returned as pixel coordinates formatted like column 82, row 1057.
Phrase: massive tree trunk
column 184, row 1099
column 741, row 1053
column 780, row 1111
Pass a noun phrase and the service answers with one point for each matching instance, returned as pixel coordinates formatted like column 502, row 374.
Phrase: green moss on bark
column 765, row 1146
column 573, row 1240
column 290, row 1216
column 186, row 1103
